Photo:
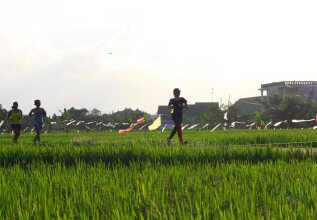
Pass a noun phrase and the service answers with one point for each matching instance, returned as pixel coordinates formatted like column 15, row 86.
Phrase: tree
column 48, row 123
column 54, row 117
column 77, row 114
column 257, row 118
column 232, row 112
column 288, row 107
column 64, row 115
column 95, row 112
column 117, row 118
column 3, row 115
column 213, row 116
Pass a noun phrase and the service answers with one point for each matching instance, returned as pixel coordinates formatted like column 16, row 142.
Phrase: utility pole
column 212, row 94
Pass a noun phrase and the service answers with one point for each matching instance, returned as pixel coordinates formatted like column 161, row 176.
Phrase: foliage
column 95, row 112
column 232, row 112
column 64, row 115
column 48, row 123
column 3, row 113
column 77, row 114
column 213, row 116
column 288, row 107
column 220, row 114
column 257, row 118
column 127, row 115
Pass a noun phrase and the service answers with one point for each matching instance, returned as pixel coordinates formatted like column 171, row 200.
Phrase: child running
column 15, row 119
column 39, row 115
column 176, row 106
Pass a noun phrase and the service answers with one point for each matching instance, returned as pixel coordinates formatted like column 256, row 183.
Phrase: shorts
column 177, row 117
column 37, row 123
column 16, row 127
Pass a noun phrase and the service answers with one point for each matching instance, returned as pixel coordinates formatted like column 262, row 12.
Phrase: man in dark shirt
column 39, row 114
column 176, row 106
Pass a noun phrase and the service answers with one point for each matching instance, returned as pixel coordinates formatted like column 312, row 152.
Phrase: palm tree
column 257, row 118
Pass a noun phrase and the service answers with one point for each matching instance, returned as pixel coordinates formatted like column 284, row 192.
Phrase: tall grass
column 219, row 175
column 142, row 191
column 70, row 155
column 306, row 137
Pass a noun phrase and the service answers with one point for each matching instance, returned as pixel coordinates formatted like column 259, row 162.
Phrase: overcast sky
column 111, row 54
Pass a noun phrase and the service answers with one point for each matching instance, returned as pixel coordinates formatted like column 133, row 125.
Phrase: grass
column 235, row 190
column 104, row 175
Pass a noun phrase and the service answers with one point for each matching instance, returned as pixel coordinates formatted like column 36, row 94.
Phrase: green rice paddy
column 236, row 174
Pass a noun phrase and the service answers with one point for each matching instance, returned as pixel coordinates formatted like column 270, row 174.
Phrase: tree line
column 125, row 116
column 274, row 109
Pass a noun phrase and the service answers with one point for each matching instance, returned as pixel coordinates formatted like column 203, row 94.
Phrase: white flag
column 215, row 127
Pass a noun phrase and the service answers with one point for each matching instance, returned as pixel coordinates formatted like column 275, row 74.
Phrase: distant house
column 301, row 88
column 248, row 106
column 192, row 113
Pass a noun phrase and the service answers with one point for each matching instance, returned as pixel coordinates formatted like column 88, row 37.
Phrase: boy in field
column 39, row 115
column 176, row 106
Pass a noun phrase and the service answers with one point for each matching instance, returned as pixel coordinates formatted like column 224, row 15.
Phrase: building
column 301, row 88
column 248, row 106
column 192, row 113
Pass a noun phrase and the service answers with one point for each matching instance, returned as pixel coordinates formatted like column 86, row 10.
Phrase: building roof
column 288, row 84
column 250, row 105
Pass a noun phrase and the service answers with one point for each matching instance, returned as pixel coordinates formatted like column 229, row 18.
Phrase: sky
column 112, row 54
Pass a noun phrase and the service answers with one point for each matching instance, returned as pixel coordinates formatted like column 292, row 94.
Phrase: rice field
column 236, row 174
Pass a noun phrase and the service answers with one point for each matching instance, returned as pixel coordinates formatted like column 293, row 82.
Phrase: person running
column 39, row 115
column 176, row 106
column 15, row 119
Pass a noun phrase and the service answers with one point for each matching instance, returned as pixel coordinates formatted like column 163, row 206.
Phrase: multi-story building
column 248, row 106
column 301, row 88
